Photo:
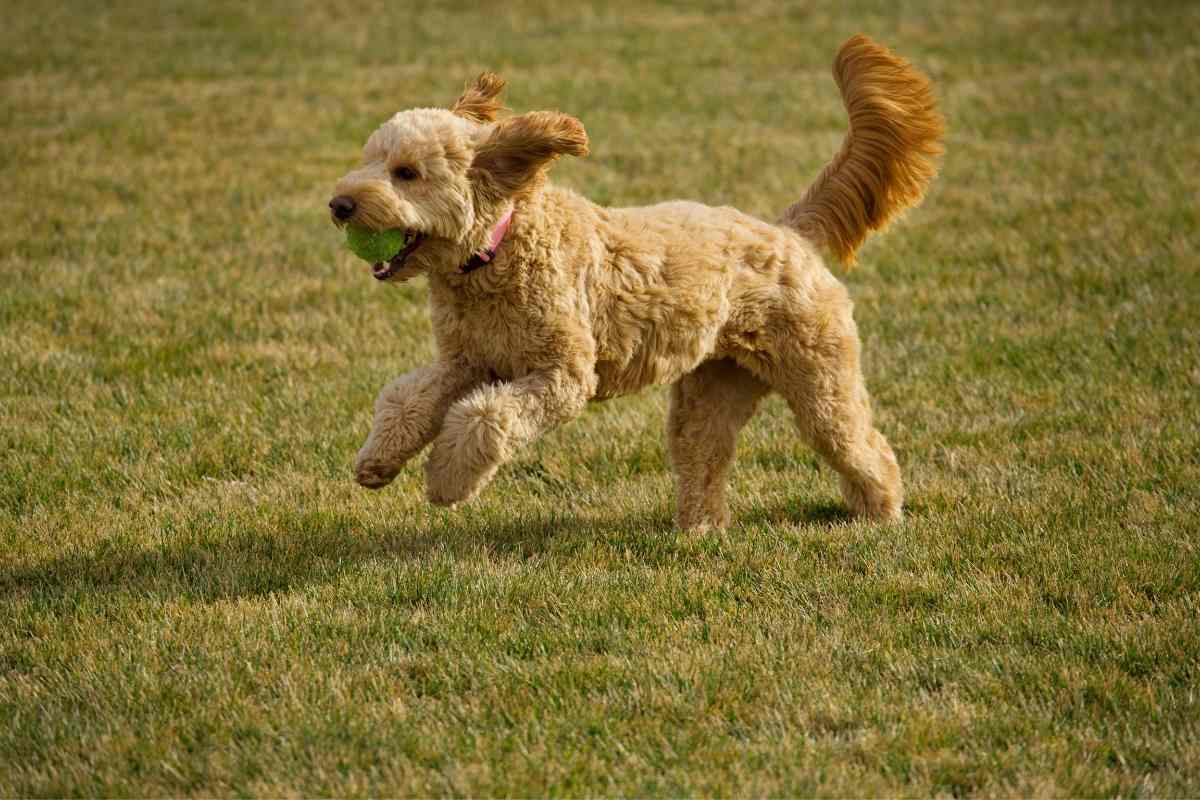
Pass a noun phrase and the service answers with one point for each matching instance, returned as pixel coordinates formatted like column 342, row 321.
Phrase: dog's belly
column 655, row 335
column 615, row 380
column 656, row 357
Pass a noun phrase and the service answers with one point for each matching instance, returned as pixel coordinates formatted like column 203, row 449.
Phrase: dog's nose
column 342, row 206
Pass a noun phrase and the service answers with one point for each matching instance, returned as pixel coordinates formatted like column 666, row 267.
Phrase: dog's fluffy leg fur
column 485, row 428
column 887, row 159
column 408, row 414
column 708, row 408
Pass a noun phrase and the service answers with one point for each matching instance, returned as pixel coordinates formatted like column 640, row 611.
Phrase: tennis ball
column 375, row 247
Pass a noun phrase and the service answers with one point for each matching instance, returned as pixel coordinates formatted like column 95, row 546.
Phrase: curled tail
column 887, row 158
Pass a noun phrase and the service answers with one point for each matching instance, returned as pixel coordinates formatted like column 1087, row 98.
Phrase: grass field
column 195, row 597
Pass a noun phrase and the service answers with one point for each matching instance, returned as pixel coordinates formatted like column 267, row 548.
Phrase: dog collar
column 488, row 253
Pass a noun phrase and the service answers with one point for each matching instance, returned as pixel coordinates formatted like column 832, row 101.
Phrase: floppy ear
column 480, row 101
column 514, row 155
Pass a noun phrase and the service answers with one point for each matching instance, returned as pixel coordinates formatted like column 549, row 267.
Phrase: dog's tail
column 887, row 158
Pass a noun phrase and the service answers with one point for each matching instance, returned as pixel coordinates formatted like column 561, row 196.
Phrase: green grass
column 195, row 598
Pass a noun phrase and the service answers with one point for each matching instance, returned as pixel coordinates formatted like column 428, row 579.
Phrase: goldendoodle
column 542, row 300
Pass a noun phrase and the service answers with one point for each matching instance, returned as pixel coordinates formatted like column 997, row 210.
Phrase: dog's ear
column 513, row 156
column 480, row 101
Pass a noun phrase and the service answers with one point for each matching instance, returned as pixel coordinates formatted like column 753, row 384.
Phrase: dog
column 542, row 301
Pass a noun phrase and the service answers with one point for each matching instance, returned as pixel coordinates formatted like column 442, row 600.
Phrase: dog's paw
column 450, row 479
column 471, row 447
column 372, row 473
column 875, row 503
column 448, row 494
column 702, row 520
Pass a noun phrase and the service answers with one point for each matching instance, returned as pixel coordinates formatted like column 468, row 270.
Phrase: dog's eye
column 404, row 173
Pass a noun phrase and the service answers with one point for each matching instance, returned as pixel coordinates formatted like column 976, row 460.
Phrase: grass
column 197, row 600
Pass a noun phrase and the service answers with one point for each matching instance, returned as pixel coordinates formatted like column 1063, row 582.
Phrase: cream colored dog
column 542, row 301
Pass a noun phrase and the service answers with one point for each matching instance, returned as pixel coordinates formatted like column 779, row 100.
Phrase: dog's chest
column 490, row 334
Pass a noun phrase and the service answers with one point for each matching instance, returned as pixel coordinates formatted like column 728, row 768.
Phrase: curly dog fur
column 584, row 303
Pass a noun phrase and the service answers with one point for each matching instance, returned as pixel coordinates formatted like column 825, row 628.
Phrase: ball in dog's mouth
column 382, row 270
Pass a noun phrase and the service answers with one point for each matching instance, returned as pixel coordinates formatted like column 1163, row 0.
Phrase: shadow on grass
column 229, row 559
column 823, row 514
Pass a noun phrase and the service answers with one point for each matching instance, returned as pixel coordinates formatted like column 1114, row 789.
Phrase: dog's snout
column 342, row 206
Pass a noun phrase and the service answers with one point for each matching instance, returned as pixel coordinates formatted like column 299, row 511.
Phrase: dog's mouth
column 384, row 270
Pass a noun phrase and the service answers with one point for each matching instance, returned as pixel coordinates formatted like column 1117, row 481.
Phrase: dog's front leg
column 485, row 428
column 408, row 414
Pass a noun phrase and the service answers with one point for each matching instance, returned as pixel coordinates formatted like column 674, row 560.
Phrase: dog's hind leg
column 709, row 406
column 815, row 365
column 408, row 414
column 836, row 420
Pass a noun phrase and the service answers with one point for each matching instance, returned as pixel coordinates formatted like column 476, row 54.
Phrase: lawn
column 196, row 598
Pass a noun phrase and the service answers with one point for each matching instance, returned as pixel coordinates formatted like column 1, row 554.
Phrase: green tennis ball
column 375, row 247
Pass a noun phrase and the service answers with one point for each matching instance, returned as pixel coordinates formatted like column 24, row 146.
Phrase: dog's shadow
column 258, row 560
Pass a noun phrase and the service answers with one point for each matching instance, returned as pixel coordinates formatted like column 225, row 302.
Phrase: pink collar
column 488, row 253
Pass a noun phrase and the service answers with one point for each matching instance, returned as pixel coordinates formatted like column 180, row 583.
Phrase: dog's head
column 449, row 175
